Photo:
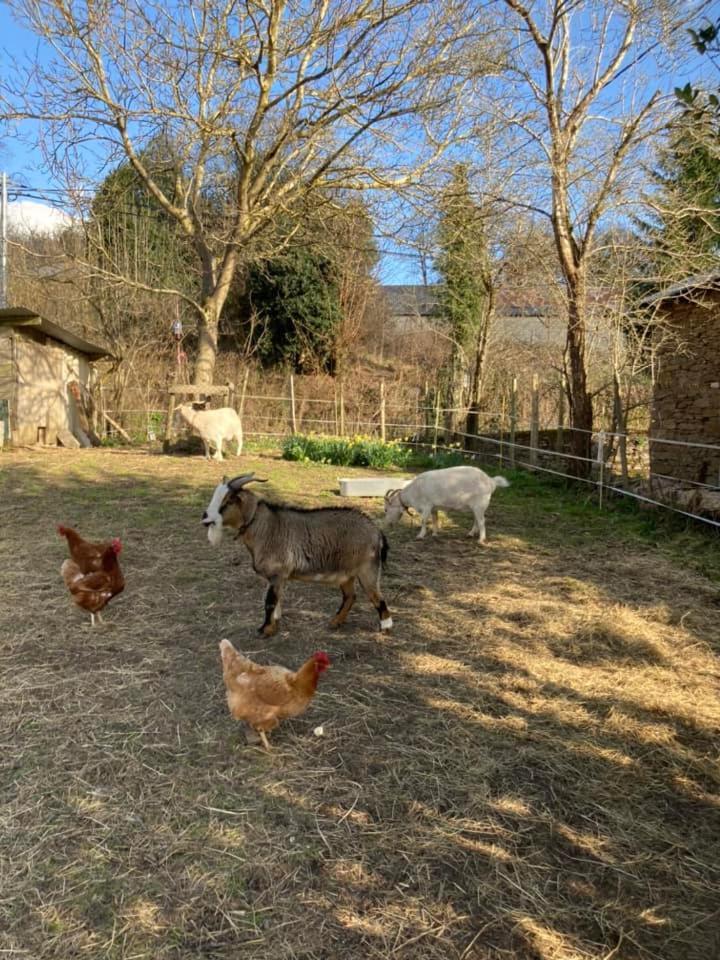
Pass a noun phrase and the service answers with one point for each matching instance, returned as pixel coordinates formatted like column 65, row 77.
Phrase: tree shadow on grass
column 482, row 790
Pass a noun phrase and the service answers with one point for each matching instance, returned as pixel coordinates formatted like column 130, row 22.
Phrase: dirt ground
column 526, row 768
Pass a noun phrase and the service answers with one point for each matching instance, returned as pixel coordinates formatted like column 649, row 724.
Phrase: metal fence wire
column 516, row 446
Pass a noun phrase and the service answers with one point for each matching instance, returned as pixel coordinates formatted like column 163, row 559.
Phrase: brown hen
column 86, row 554
column 262, row 696
column 93, row 591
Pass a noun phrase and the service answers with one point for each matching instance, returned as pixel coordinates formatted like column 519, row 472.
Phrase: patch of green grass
column 619, row 520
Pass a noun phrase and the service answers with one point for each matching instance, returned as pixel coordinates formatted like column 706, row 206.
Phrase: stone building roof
column 698, row 283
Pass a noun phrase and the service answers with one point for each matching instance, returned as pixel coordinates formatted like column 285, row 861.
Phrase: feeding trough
column 370, row 486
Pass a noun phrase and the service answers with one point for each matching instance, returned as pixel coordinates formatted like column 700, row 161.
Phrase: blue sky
column 22, row 161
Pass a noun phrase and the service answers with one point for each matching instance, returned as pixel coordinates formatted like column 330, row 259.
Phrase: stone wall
column 686, row 400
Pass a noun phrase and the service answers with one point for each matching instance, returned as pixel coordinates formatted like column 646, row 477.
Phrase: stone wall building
column 686, row 396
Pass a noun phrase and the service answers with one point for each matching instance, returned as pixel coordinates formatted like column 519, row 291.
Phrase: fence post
column 342, row 409
column 502, row 430
column 168, row 420
column 601, row 465
column 293, row 420
column 437, row 421
column 513, row 419
column 534, row 420
column 382, row 410
column 241, row 405
column 560, row 442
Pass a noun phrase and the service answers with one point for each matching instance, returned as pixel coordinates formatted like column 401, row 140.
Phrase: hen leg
column 264, row 739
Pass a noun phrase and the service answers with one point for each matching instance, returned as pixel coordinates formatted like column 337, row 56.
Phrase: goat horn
column 238, row 482
column 389, row 493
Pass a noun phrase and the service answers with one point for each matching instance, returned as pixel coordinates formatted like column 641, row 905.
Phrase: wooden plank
column 117, row 427
column 66, row 439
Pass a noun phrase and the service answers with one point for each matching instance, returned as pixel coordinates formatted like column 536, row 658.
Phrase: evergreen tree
column 131, row 233
column 466, row 289
column 684, row 232
column 304, row 308
column 296, row 298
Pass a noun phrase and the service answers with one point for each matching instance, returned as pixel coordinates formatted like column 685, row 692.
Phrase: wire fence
column 507, row 442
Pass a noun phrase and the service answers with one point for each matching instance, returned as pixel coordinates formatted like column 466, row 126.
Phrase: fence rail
column 500, row 437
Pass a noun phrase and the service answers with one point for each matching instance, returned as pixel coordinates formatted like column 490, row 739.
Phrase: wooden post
column 241, row 405
column 534, row 420
column 437, row 420
column 293, row 420
column 502, row 430
column 382, row 410
column 341, row 408
column 601, row 465
column 513, row 419
column 559, row 443
column 168, row 420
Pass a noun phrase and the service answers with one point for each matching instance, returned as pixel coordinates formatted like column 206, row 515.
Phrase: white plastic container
column 370, row 486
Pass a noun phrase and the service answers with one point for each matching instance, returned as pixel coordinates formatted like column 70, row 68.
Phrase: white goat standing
column 456, row 488
column 212, row 426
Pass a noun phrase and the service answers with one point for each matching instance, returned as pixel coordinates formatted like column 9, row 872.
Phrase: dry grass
column 526, row 769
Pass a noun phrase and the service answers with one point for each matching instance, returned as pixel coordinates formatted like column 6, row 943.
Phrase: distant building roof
column 423, row 300
column 698, row 282
column 412, row 299
column 22, row 317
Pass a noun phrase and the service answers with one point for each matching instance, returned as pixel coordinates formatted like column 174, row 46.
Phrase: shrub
column 356, row 451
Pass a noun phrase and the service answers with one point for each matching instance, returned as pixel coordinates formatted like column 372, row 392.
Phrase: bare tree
column 260, row 104
column 588, row 115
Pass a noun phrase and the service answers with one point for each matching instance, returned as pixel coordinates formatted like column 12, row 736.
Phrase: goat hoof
column 269, row 630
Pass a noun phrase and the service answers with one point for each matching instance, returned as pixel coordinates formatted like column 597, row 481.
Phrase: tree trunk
column 478, row 375
column 580, row 401
column 216, row 279
column 207, row 347
column 454, row 393
column 620, row 420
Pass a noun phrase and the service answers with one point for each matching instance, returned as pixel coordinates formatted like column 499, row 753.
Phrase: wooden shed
column 38, row 362
column 686, row 396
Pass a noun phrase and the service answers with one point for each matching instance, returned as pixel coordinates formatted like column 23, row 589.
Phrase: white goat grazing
column 212, row 426
column 456, row 488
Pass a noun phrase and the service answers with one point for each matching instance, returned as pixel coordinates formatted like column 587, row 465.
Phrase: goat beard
column 215, row 533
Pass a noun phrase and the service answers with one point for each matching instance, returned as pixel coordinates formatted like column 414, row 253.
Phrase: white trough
column 369, row 486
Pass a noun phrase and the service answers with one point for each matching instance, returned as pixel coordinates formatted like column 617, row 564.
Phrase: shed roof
column 698, row 282
column 22, row 317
